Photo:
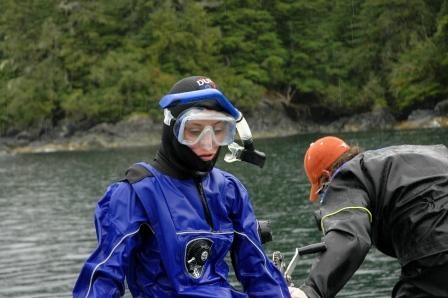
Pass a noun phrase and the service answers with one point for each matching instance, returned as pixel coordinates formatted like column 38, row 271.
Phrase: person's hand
column 297, row 293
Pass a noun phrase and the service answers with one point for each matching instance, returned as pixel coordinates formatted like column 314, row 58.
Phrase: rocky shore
column 270, row 119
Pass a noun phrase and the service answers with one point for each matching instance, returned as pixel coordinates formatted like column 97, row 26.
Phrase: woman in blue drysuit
column 169, row 225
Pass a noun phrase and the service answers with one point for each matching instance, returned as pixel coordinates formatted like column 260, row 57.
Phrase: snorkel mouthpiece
column 249, row 154
column 246, row 152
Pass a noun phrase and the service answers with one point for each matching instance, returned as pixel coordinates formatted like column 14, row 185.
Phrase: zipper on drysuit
column 208, row 216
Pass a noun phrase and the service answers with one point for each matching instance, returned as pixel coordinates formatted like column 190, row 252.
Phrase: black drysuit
column 395, row 198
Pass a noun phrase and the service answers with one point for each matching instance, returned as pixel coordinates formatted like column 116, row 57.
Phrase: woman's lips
column 206, row 157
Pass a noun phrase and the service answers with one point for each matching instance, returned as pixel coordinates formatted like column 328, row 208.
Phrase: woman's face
column 207, row 133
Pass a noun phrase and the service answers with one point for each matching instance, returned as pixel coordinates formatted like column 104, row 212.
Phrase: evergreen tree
column 93, row 61
column 420, row 77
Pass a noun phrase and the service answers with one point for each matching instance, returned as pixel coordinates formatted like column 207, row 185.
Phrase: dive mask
column 205, row 127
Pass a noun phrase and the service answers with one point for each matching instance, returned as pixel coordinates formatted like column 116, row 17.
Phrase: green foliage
column 95, row 61
column 413, row 79
column 421, row 75
column 180, row 40
column 305, row 40
column 250, row 44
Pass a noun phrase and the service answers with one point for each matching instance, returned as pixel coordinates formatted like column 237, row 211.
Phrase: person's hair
column 351, row 153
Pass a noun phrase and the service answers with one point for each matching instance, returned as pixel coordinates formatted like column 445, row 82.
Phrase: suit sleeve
column 345, row 221
column 117, row 223
column 258, row 276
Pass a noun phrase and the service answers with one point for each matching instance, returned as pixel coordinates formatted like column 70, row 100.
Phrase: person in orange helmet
column 395, row 198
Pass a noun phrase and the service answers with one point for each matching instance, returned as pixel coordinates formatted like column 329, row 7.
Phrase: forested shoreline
column 81, row 63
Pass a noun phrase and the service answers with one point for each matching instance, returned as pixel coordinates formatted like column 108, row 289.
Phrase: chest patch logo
column 197, row 254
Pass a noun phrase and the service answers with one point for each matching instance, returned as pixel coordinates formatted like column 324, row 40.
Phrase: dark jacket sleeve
column 347, row 244
column 345, row 220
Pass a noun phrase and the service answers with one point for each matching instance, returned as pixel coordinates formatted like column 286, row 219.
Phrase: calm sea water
column 47, row 203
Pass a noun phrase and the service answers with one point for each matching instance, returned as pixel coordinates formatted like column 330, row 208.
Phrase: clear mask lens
column 206, row 127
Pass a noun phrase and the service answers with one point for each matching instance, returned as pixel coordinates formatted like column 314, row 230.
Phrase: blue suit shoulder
column 230, row 179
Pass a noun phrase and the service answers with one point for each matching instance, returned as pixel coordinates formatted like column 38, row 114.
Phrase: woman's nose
column 207, row 140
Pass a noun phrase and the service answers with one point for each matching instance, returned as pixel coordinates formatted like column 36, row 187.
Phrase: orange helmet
column 319, row 157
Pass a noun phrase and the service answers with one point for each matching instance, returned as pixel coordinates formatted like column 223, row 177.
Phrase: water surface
column 47, row 202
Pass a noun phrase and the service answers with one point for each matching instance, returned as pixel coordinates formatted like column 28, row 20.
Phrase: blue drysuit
column 145, row 229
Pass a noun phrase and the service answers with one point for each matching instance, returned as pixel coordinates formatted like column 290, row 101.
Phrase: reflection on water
column 47, row 202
